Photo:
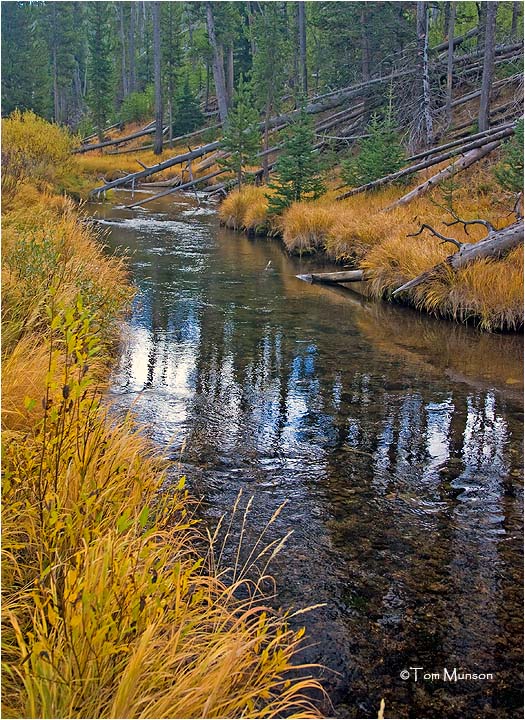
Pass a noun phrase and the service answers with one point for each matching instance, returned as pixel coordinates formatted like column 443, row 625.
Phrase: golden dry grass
column 246, row 209
column 109, row 609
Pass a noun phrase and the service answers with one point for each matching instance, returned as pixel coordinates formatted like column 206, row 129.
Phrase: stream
column 395, row 440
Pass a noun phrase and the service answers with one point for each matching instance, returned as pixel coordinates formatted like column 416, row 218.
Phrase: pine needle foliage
column 188, row 116
column 298, row 171
column 241, row 138
column 379, row 154
column 509, row 172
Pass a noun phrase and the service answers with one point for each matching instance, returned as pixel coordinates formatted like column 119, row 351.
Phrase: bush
column 33, row 149
column 509, row 172
column 137, row 106
column 379, row 154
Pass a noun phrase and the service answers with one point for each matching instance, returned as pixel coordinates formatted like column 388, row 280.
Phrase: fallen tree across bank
column 497, row 244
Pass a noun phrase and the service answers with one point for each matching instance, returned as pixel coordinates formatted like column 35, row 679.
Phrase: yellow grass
column 246, row 209
column 111, row 606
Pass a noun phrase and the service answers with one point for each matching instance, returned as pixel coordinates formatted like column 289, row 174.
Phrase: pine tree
column 241, row 136
column 509, row 172
column 298, row 175
column 380, row 154
column 188, row 116
column 100, row 66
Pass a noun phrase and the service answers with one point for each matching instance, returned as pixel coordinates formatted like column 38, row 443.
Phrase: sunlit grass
column 246, row 209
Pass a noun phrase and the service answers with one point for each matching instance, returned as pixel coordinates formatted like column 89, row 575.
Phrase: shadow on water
column 395, row 439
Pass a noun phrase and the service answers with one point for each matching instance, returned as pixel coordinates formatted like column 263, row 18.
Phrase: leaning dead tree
column 497, row 244
column 434, row 160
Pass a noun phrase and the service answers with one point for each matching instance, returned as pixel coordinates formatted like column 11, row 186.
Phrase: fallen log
column 435, row 160
column 118, row 141
column 334, row 278
column 497, row 244
column 457, row 40
column 452, row 170
column 177, row 188
column 166, row 142
column 459, row 141
column 86, row 139
column 177, row 160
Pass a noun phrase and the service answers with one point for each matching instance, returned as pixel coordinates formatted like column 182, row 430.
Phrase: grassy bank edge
column 111, row 606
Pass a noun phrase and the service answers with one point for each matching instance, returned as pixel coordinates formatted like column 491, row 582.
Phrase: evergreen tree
column 379, row 154
column 509, row 172
column 241, row 136
column 100, row 66
column 298, row 175
column 25, row 85
column 188, row 116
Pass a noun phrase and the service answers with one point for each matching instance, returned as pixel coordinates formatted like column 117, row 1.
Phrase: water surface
column 395, row 440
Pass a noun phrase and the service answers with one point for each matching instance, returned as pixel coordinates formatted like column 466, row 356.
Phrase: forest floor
column 113, row 605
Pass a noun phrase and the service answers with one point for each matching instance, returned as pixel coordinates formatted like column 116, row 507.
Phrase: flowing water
column 395, row 440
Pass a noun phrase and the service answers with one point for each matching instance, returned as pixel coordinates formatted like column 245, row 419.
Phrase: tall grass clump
column 111, row 604
column 246, row 209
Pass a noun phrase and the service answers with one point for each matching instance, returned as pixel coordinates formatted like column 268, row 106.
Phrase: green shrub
column 509, row 172
column 137, row 106
column 379, row 154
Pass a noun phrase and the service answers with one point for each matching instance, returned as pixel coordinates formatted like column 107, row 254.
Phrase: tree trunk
column 157, row 149
column 230, row 75
column 266, row 170
column 450, row 59
column 124, row 74
column 132, row 82
column 218, row 64
column 451, row 171
column 482, row 23
column 334, row 278
column 422, row 43
column 515, row 15
column 495, row 245
column 488, row 66
column 303, row 68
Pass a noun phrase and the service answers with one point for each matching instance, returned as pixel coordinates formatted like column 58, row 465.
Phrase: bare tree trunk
column 450, row 59
column 218, row 64
column 515, row 14
column 56, row 100
column 303, row 68
column 230, row 75
column 497, row 244
column 124, row 74
column 157, row 149
column 488, row 66
column 207, row 98
column 132, row 83
column 422, row 42
column 451, row 171
column 266, row 169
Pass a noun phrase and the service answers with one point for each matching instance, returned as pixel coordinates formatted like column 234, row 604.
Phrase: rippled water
column 395, row 440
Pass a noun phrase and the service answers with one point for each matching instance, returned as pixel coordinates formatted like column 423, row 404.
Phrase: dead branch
column 465, row 223
column 444, row 239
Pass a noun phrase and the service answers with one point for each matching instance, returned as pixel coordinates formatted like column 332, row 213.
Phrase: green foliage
column 268, row 32
column 241, row 136
column 297, row 171
column 509, row 172
column 137, row 106
column 100, row 65
column 379, row 154
column 188, row 116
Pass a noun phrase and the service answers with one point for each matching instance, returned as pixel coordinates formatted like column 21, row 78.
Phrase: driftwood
column 497, row 244
column 456, row 167
column 435, row 160
column 334, row 278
